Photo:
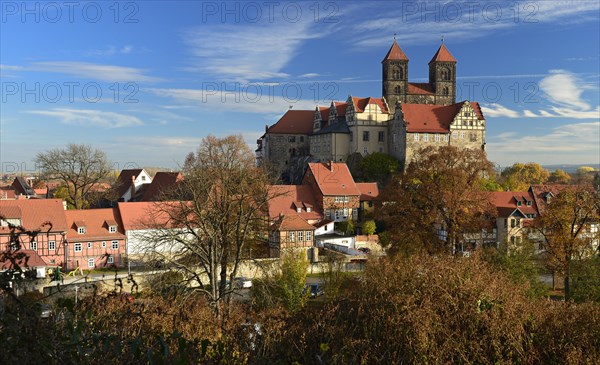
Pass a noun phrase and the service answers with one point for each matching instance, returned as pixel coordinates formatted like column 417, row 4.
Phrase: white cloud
column 563, row 88
column 248, row 52
column 572, row 143
column 497, row 110
column 5, row 70
column 264, row 101
column 110, row 51
column 85, row 117
column 310, row 75
column 108, row 73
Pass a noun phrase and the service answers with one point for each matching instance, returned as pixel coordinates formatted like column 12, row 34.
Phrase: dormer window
column 143, row 178
column 308, row 209
column 81, row 230
column 298, row 210
column 112, row 229
column 519, row 203
column 529, row 203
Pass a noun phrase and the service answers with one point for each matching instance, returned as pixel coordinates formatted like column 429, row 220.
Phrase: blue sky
column 146, row 80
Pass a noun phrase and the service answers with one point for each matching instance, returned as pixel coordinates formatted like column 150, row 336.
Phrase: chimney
column 331, row 165
column 266, row 128
column 132, row 188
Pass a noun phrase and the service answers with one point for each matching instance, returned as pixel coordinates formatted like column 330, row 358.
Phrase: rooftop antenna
column 442, row 38
column 394, row 37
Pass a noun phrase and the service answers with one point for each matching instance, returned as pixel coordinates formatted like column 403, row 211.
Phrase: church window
column 397, row 90
column 401, row 73
column 445, row 91
column 396, row 74
column 292, row 139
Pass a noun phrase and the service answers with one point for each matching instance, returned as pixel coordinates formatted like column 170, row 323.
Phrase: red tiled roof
column 284, row 197
column 38, row 214
column 161, row 182
column 395, row 53
column 292, row 223
column 442, row 55
column 368, row 191
column 333, row 180
column 430, row 118
column 95, row 223
column 361, row 103
column 506, row 202
column 143, row 215
column 29, row 259
column 294, row 122
column 540, row 192
column 420, row 88
column 340, row 108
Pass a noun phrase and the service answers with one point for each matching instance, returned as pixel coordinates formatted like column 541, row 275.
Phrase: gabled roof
column 294, row 122
column 333, row 178
column 395, row 53
column 430, row 118
column 96, row 223
column 292, row 223
column 125, row 178
column 285, row 198
column 442, row 55
column 38, row 214
column 420, row 88
column 540, row 193
column 368, row 191
column 360, row 104
column 506, row 203
column 22, row 187
column 161, row 182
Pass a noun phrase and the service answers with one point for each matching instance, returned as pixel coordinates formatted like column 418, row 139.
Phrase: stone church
column 407, row 117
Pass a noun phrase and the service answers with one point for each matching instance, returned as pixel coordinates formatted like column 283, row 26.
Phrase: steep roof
column 292, row 222
column 37, row 214
column 294, row 122
column 395, row 53
column 368, row 191
column 541, row 192
column 284, row 199
column 161, row 182
column 420, row 88
column 430, row 118
column 96, row 223
column 333, row 178
column 22, row 187
column 506, row 202
column 360, row 104
column 125, row 178
column 341, row 126
column 442, row 55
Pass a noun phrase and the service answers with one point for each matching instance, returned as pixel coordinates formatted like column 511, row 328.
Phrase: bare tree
column 79, row 167
column 218, row 208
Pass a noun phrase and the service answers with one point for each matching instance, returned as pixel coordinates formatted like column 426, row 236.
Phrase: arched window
column 401, row 73
column 445, row 74
column 397, row 90
column 395, row 74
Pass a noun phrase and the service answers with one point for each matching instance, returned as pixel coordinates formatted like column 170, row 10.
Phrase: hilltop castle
column 407, row 117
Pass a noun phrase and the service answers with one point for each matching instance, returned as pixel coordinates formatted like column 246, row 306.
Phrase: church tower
column 395, row 76
column 442, row 76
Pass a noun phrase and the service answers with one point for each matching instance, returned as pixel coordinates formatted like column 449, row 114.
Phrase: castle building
column 407, row 117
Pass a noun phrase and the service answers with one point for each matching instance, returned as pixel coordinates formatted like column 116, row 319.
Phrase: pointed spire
column 395, row 53
column 442, row 55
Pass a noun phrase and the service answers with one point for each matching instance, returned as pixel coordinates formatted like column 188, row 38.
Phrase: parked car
column 44, row 310
column 242, row 282
column 365, row 250
column 314, row 290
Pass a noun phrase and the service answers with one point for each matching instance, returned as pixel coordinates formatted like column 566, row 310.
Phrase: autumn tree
column 568, row 225
column 520, row 176
column 559, row 177
column 79, row 167
column 369, row 227
column 440, row 188
column 213, row 213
